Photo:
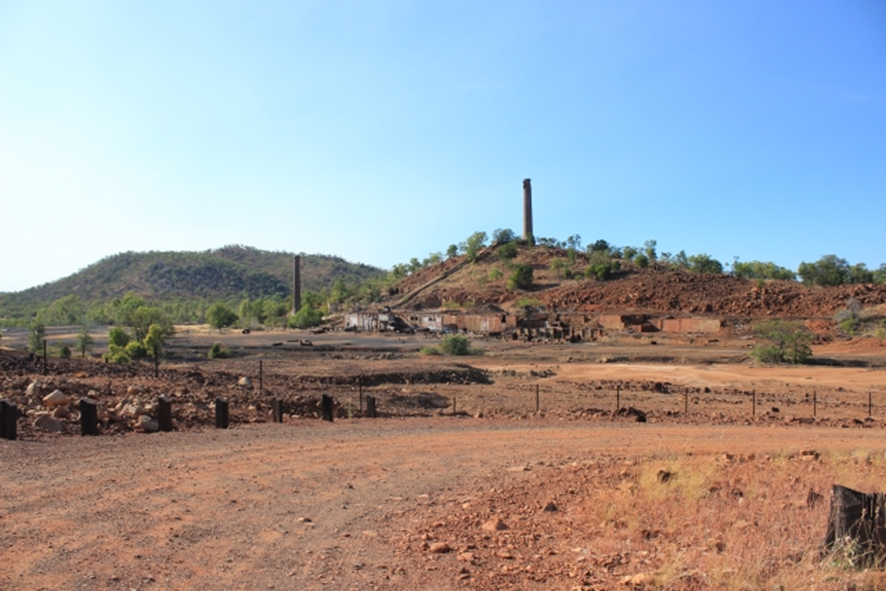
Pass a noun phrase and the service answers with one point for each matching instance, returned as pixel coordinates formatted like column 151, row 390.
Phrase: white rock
column 132, row 409
column 244, row 382
column 56, row 398
column 147, row 424
column 49, row 423
column 134, row 390
column 34, row 390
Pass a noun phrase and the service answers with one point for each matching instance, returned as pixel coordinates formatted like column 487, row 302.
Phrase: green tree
column 64, row 352
column 789, row 342
column 143, row 317
column 641, row 260
column 879, row 276
column 828, row 270
column 503, row 235
column 452, row 251
column 220, row 316
column 84, row 341
column 762, row 270
column 155, row 341
column 521, row 277
column 306, row 317
column 473, row 244
column 649, row 250
column 118, row 337
column 703, row 263
column 36, row 336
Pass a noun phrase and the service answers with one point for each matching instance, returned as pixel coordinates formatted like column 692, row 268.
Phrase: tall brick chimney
column 527, row 211
column 296, row 284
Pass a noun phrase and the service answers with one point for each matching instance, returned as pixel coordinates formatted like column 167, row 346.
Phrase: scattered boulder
column 147, row 424
column 56, row 398
column 33, row 390
column 245, row 382
column 439, row 548
column 551, row 507
column 49, row 423
column 494, row 524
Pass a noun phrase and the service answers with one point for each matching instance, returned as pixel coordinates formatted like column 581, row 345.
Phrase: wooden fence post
column 164, row 413
column 221, row 413
column 8, row 420
column 686, row 403
column 44, row 357
column 618, row 398
column 870, row 405
column 754, row 405
column 88, row 417
column 326, row 408
column 277, row 406
column 537, row 399
column 370, row 407
column 814, row 403
column 360, row 385
column 260, row 376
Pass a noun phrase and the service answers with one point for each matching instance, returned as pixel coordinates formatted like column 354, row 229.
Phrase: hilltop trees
column 833, row 270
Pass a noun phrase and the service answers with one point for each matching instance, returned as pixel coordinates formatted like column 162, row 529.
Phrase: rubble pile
column 678, row 291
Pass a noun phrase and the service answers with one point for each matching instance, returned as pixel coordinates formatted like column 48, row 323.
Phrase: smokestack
column 296, row 284
column 527, row 211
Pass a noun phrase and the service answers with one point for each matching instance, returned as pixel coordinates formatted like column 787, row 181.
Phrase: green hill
column 229, row 273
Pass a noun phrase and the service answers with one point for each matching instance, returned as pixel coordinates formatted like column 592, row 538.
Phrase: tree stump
column 857, row 525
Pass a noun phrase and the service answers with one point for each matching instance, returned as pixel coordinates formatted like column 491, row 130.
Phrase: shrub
column 521, row 277
column 507, row 251
column 116, row 354
column 219, row 351
column 65, row 352
column 789, row 342
column 473, row 244
column 456, row 345
column 118, row 337
column 641, row 260
column 429, row 351
column 495, row 274
column 602, row 266
column 523, row 302
column 135, row 350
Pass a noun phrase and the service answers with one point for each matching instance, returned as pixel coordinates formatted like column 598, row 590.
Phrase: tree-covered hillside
column 230, row 274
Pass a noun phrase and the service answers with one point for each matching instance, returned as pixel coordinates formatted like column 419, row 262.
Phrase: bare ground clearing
column 313, row 505
column 360, row 504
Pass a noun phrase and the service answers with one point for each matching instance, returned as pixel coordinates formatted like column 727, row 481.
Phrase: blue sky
column 379, row 131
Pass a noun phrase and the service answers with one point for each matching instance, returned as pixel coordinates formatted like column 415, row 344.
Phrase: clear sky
column 382, row 130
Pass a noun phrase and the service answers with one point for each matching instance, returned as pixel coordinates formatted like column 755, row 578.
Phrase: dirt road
column 304, row 505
